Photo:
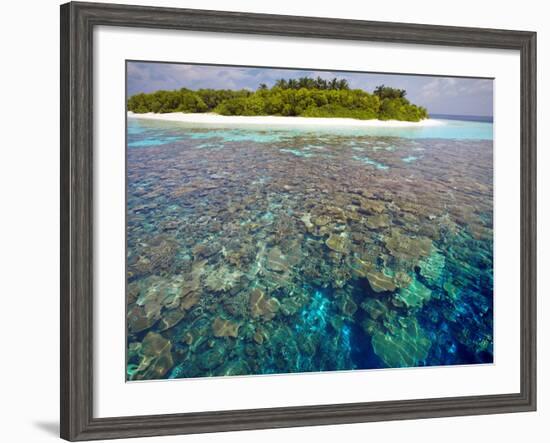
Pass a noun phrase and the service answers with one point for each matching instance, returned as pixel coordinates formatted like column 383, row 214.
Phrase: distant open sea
column 465, row 118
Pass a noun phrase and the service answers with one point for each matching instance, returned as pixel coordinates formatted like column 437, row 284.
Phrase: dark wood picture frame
column 77, row 23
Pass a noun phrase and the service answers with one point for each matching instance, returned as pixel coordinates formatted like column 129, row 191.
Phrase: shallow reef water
column 252, row 251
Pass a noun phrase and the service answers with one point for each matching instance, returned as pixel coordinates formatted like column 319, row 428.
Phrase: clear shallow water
column 253, row 251
column 158, row 131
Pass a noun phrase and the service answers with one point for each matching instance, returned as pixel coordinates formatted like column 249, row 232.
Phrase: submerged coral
column 380, row 282
column 415, row 294
column 222, row 279
column 251, row 252
column 403, row 346
column 338, row 243
column 224, row 328
column 154, row 356
column 262, row 306
column 432, row 267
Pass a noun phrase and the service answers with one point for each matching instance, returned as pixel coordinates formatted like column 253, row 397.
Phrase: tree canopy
column 383, row 92
column 305, row 97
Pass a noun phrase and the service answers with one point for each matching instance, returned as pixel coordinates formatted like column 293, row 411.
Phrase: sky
column 440, row 95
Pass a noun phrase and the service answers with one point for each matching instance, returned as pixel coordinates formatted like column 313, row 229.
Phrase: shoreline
column 211, row 118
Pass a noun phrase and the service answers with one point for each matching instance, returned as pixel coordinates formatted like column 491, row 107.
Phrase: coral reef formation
column 259, row 252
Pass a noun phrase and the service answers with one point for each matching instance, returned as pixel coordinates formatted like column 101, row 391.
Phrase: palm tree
column 379, row 90
column 281, row 83
column 343, row 84
column 383, row 92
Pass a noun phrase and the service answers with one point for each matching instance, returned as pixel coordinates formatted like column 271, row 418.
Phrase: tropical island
column 302, row 97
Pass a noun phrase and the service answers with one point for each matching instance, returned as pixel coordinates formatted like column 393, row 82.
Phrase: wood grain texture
column 77, row 23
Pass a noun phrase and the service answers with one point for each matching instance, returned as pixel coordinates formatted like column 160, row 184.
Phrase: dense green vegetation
column 305, row 97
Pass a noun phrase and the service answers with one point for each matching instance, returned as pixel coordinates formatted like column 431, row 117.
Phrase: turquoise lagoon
column 263, row 250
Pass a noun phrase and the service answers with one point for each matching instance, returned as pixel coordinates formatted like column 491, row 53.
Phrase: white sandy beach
column 210, row 118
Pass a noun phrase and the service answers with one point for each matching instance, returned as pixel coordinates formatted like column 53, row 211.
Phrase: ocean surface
column 256, row 250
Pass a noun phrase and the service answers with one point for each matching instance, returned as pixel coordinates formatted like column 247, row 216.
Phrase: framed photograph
column 272, row 221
